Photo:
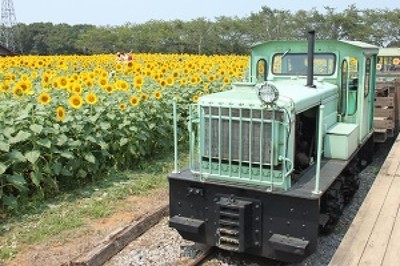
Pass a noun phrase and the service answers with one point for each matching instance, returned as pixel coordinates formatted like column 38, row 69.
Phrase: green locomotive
column 274, row 159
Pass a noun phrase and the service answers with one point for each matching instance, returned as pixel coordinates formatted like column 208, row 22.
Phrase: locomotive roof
column 360, row 44
column 389, row 52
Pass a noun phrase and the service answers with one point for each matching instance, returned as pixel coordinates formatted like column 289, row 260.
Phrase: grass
column 37, row 222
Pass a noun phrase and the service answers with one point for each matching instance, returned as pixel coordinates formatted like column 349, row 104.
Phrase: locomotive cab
column 273, row 160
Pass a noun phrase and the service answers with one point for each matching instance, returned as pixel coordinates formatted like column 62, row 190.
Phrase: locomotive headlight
column 268, row 93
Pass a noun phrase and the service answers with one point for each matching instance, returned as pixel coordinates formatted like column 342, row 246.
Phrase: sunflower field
column 66, row 120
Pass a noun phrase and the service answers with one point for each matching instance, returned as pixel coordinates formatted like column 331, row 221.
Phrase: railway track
column 105, row 251
column 203, row 256
column 148, row 241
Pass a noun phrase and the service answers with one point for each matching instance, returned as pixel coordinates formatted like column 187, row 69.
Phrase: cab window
column 343, row 88
column 262, row 70
column 296, row 64
column 367, row 76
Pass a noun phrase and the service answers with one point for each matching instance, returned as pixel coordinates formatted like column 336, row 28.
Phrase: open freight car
column 274, row 160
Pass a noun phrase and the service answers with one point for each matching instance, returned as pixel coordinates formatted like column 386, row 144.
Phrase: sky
column 120, row 12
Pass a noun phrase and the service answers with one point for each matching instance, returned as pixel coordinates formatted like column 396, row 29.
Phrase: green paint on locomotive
column 237, row 138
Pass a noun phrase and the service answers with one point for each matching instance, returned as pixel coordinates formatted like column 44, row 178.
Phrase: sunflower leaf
column 8, row 131
column 36, row 177
column 10, row 201
column 123, row 141
column 16, row 156
column 4, row 146
column 36, row 128
column 90, row 157
column 21, row 136
column 3, row 168
column 17, row 181
column 62, row 139
column 105, row 125
column 32, row 156
column 44, row 142
column 67, row 154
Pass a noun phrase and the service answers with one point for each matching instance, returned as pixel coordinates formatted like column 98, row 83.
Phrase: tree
column 98, row 40
column 225, row 35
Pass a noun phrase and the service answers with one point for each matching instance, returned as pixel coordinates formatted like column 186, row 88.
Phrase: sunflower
column 2, row 88
column 46, row 80
column 17, row 91
column 55, row 83
column 227, row 80
column 91, row 98
column 24, row 77
column 162, row 83
column 129, row 65
column 138, row 81
column 89, row 83
column 25, row 86
column 75, row 101
column 103, row 82
column 44, row 98
column 75, row 76
column 122, row 106
column 193, row 79
column 195, row 98
column 76, row 88
column 60, row 113
column 63, row 82
column 134, row 100
column 170, row 81
column 118, row 67
column 144, row 97
column 157, row 94
column 109, row 88
column 175, row 74
column 182, row 81
column 34, row 74
column 122, row 85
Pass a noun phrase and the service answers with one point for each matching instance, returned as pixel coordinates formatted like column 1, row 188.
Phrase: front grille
column 238, row 135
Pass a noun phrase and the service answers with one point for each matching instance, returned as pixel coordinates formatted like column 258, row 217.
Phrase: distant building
column 5, row 51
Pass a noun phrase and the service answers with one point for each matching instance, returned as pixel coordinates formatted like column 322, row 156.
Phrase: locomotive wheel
column 350, row 187
column 334, row 205
column 351, row 180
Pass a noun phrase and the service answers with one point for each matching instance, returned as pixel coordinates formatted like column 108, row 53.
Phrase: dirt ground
column 69, row 245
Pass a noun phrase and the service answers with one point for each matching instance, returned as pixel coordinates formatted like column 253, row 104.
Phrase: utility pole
column 7, row 26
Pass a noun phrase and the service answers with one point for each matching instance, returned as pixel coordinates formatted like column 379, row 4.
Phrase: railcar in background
column 388, row 64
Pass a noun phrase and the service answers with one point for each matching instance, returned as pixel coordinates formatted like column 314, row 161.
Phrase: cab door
column 366, row 119
column 348, row 104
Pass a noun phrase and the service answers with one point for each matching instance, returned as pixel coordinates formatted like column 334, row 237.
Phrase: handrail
column 319, row 149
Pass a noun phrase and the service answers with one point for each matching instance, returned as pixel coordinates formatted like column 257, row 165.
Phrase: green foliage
column 37, row 220
column 224, row 35
column 40, row 155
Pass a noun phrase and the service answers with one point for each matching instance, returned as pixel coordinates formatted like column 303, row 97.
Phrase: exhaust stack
column 310, row 68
